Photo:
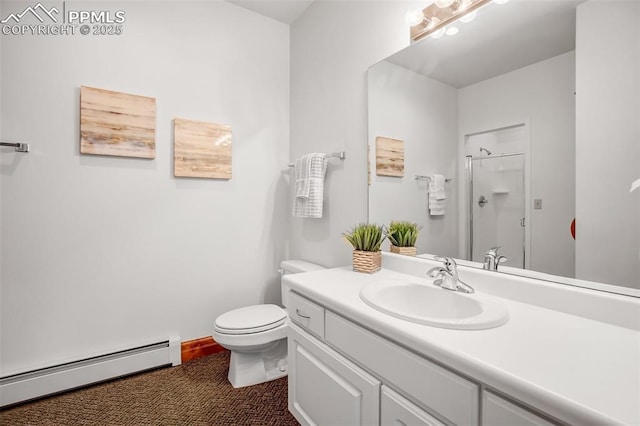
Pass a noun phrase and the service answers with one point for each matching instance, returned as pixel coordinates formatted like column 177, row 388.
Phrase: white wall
column 608, row 142
column 103, row 252
column 423, row 113
column 332, row 45
column 542, row 96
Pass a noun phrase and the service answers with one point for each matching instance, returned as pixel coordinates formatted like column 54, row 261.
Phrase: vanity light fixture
column 444, row 3
column 438, row 15
column 469, row 16
column 415, row 17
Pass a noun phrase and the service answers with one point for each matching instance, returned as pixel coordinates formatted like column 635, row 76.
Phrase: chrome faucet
column 492, row 260
column 447, row 276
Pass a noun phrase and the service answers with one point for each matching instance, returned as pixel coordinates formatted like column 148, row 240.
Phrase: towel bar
column 341, row 155
column 423, row 177
column 20, row 147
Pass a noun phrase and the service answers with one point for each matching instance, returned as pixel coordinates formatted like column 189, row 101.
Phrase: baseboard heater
column 50, row 380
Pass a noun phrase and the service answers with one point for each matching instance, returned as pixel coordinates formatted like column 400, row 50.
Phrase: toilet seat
column 250, row 320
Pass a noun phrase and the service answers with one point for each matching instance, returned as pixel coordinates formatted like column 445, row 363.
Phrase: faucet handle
column 450, row 266
column 499, row 260
column 493, row 251
column 436, row 272
column 448, row 261
column 447, row 275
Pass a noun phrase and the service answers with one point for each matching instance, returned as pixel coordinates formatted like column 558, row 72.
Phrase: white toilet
column 257, row 336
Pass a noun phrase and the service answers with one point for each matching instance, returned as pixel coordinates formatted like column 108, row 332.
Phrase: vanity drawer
column 306, row 314
column 497, row 411
column 397, row 410
column 440, row 391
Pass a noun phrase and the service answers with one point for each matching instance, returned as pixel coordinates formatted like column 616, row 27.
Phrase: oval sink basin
column 431, row 305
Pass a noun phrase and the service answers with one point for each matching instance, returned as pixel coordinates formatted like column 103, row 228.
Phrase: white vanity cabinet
column 340, row 373
column 497, row 411
column 324, row 387
column 447, row 395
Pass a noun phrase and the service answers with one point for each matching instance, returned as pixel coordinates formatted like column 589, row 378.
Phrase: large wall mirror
column 531, row 112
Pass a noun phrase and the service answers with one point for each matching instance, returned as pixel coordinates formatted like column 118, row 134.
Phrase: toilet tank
column 294, row 267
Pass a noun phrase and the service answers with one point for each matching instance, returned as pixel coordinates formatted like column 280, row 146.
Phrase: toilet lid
column 251, row 319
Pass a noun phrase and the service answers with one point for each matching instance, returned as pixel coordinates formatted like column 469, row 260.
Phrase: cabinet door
column 497, row 411
column 395, row 410
column 451, row 396
column 325, row 388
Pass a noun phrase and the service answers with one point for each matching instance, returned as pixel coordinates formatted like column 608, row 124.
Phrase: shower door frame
column 463, row 198
column 469, row 184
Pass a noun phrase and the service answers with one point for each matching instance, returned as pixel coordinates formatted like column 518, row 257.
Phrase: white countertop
column 576, row 369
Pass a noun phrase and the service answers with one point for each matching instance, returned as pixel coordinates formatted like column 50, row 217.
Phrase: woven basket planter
column 367, row 261
column 407, row 251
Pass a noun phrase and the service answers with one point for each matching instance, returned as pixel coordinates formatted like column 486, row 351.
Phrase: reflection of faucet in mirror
column 447, row 276
column 492, row 260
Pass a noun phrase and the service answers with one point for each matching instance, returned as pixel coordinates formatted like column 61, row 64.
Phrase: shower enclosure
column 495, row 185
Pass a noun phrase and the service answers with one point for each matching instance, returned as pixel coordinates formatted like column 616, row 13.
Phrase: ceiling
column 502, row 38
column 286, row 11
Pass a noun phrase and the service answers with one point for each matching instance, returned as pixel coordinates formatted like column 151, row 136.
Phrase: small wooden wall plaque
column 389, row 157
column 201, row 150
column 119, row 124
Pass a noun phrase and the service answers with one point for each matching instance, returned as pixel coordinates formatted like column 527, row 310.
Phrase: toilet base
column 251, row 368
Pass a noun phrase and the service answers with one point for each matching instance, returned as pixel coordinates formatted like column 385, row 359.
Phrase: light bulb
column 414, row 17
column 452, row 31
column 438, row 34
column 469, row 17
column 444, row 3
column 433, row 22
column 464, row 5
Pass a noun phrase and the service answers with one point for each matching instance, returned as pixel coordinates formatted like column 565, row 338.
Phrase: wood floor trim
column 198, row 348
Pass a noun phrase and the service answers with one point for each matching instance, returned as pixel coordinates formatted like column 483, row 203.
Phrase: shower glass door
column 498, row 207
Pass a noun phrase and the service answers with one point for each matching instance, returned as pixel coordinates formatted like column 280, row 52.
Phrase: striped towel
column 309, row 185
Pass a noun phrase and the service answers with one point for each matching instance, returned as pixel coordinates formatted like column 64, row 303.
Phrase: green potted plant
column 366, row 239
column 402, row 236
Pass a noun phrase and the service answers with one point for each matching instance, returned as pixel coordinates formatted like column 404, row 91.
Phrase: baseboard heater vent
column 33, row 384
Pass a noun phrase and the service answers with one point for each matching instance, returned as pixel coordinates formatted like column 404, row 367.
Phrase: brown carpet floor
column 195, row 393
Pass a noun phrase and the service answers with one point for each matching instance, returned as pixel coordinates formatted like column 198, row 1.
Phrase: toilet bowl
column 257, row 336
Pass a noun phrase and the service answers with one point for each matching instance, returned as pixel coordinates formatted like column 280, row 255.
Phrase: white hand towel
column 436, row 195
column 302, row 175
column 436, row 186
column 311, row 206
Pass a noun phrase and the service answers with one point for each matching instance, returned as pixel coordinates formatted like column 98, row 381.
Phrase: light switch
column 537, row 204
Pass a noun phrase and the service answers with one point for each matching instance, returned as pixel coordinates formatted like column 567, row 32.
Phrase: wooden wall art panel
column 119, row 124
column 389, row 157
column 202, row 150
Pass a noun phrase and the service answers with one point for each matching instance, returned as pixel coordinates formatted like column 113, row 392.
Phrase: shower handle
column 482, row 201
